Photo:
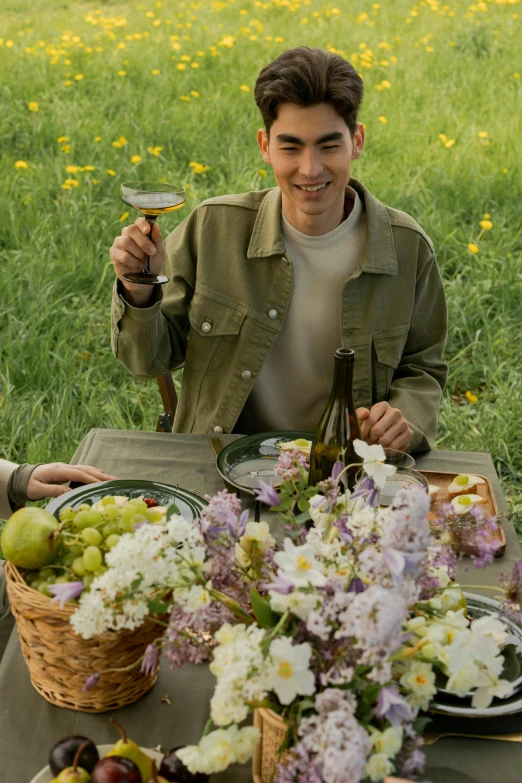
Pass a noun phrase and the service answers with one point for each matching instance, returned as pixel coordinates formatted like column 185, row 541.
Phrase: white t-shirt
column 295, row 381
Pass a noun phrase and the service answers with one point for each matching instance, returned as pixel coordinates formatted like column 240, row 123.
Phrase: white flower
column 219, row 749
column 378, row 767
column 389, row 741
column 300, row 604
column 483, row 697
column 318, row 504
column 463, row 680
column 290, row 672
column 198, row 597
column 373, row 462
column 299, row 565
column 374, row 617
column 256, row 536
column 420, row 680
column 490, row 626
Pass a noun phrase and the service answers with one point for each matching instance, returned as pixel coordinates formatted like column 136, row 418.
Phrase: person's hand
column 46, row 481
column 385, row 425
column 128, row 252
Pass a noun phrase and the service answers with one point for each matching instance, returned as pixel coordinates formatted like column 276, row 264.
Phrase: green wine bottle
column 338, row 427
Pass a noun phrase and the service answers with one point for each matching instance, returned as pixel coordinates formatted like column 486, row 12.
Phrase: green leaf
column 303, row 518
column 158, row 607
column 172, row 509
column 303, row 504
column 263, row 614
column 420, row 723
column 511, row 669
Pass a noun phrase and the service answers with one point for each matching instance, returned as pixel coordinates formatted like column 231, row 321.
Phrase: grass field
column 96, row 94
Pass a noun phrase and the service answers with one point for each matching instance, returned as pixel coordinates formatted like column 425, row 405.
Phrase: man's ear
column 358, row 141
column 262, row 140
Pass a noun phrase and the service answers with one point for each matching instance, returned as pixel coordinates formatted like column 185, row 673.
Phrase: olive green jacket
column 230, row 285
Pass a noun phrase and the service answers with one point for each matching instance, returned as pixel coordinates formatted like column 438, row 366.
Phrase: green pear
column 29, row 539
column 75, row 774
column 130, row 750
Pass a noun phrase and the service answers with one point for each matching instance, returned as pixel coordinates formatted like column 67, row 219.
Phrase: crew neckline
column 344, row 228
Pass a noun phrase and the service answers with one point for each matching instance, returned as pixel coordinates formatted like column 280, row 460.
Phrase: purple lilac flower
column 65, row 592
column 356, row 586
column 222, row 509
column 291, row 464
column 90, row 681
column 297, row 766
column 150, row 661
column 281, row 585
column 393, row 707
column 368, row 490
column 337, row 469
column 267, row 494
column 485, row 542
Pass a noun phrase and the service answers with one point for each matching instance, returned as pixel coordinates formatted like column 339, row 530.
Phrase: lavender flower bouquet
column 340, row 626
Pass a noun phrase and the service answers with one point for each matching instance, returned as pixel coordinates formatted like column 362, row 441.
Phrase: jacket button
column 218, row 430
column 246, row 375
column 273, row 314
column 206, row 326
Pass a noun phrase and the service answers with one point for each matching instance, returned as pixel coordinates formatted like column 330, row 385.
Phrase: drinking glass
column 152, row 199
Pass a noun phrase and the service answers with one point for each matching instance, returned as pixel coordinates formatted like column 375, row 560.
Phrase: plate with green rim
column 188, row 503
column 247, row 460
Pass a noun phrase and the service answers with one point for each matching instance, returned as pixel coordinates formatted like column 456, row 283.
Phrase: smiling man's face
column 311, row 147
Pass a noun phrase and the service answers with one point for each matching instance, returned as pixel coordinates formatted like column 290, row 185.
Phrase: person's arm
column 7, row 469
column 149, row 334
column 408, row 419
column 420, row 378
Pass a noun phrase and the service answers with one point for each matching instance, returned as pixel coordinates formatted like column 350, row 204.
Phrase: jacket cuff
column 17, row 489
column 123, row 308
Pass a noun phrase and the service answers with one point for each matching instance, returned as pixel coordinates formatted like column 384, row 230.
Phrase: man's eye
column 332, row 147
column 289, row 149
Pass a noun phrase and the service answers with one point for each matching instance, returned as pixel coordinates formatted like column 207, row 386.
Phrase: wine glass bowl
column 151, row 199
column 398, row 458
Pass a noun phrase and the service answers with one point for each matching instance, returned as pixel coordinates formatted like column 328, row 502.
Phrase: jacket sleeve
column 6, row 472
column 150, row 341
column 420, row 378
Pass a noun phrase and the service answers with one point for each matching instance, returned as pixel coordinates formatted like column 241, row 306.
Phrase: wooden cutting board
column 490, row 508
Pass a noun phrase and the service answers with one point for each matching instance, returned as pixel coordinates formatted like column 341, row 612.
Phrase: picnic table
column 175, row 711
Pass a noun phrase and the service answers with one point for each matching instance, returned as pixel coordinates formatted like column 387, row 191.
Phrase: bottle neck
column 343, row 376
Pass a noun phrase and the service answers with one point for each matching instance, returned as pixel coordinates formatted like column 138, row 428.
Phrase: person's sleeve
column 420, row 378
column 150, row 341
column 13, row 486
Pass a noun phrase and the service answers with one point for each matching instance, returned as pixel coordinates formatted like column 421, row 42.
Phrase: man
column 264, row 286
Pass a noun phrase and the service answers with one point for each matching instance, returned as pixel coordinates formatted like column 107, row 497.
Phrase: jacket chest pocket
column 386, row 355
column 213, row 327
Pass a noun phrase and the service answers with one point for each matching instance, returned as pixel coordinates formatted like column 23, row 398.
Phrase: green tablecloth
column 29, row 726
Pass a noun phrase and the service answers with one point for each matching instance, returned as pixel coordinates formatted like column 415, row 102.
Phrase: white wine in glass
column 152, row 199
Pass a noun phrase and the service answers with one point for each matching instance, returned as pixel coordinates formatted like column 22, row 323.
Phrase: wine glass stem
column 151, row 219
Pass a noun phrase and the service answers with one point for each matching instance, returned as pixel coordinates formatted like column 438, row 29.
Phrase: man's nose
column 310, row 165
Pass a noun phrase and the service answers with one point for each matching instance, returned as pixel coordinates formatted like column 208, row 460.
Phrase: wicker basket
column 60, row 661
column 273, row 730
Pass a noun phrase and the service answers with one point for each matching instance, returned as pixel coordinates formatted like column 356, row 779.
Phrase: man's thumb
column 362, row 413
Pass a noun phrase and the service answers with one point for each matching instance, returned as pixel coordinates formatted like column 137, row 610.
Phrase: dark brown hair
column 308, row 77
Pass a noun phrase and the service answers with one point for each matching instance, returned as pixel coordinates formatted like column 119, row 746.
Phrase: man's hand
column 128, row 253
column 46, row 481
column 385, row 425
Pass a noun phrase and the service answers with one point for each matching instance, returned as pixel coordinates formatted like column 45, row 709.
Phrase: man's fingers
column 392, row 433
column 389, row 419
column 36, row 490
column 136, row 234
column 97, row 472
column 125, row 259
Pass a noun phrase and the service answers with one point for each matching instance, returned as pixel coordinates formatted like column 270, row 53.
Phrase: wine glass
column 152, row 199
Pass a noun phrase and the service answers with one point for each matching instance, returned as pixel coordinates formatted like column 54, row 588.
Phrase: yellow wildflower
column 278, row 39
column 195, row 93
column 67, row 83
column 486, row 224
column 181, row 66
column 228, row 41
column 89, row 168
column 505, row 171
column 199, row 168
column 62, row 139
column 155, row 72
column 66, row 148
column 194, row 65
column 515, row 75
column 473, row 248
column 110, row 172
column 79, row 77
column 95, row 181
column 482, row 134
column 97, row 138
column 122, row 73
column 72, row 169
column 262, row 172
column 154, row 150
column 124, row 216
column 71, row 182
column 386, row 84
column 245, row 88
column 449, row 143
column 185, row 58
column 486, row 215
column 33, row 106
column 471, row 397
column 135, row 159
column 184, row 97
column 9, row 44
column 21, row 164
column 443, row 137
column 382, row 119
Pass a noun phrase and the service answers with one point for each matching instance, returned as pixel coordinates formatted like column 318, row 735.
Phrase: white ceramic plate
column 46, row 776
column 479, row 606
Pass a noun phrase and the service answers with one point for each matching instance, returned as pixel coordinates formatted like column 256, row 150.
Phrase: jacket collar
column 379, row 255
